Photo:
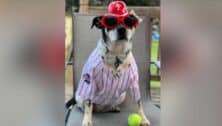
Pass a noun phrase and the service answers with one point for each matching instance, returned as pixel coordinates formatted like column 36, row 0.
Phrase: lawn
column 154, row 85
column 153, row 68
column 154, row 50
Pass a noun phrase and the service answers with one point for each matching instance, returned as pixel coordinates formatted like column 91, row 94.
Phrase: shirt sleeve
column 86, row 86
column 134, row 89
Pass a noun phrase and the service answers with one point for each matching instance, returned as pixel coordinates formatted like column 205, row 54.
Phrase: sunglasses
column 110, row 21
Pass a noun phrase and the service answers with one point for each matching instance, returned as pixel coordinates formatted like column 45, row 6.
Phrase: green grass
column 153, row 68
column 154, row 57
column 154, row 51
column 154, row 84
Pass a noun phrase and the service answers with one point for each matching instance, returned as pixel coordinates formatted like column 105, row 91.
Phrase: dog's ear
column 97, row 22
column 134, row 13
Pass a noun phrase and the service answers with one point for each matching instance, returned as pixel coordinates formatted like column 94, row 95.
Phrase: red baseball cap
column 117, row 8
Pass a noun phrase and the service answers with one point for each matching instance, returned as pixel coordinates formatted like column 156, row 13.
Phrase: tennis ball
column 134, row 120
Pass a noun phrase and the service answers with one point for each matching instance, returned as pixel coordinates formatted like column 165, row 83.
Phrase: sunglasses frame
column 120, row 20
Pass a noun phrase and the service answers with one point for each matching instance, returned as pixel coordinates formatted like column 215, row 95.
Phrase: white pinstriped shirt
column 98, row 84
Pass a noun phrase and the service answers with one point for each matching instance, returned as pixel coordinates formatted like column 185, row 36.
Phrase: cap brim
column 118, row 15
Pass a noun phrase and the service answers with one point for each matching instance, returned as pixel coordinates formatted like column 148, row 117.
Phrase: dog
column 110, row 70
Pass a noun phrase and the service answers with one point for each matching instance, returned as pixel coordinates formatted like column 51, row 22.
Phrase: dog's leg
column 88, row 108
column 145, row 121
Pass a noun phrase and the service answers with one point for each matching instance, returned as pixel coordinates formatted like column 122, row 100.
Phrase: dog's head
column 117, row 33
column 117, row 29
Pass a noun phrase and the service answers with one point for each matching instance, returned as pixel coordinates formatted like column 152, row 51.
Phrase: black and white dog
column 111, row 69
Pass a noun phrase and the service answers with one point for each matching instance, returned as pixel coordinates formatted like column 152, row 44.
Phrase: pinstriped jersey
column 98, row 84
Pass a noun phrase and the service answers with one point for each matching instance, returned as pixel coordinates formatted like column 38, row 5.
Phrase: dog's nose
column 121, row 30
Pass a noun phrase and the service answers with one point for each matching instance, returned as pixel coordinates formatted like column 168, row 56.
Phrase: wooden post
column 84, row 6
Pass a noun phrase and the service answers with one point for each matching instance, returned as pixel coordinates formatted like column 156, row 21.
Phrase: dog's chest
column 120, row 49
column 106, row 81
column 99, row 84
column 111, row 89
column 116, row 55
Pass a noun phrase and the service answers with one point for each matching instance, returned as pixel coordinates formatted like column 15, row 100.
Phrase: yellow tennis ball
column 134, row 120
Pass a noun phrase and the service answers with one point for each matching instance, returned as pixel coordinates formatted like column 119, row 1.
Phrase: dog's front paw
column 87, row 122
column 145, row 122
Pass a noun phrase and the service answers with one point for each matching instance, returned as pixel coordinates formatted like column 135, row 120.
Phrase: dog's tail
column 70, row 102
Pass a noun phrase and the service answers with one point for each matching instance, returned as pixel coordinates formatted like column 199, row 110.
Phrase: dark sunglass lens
column 110, row 21
column 130, row 20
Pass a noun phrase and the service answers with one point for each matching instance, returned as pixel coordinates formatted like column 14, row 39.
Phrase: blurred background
column 142, row 7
